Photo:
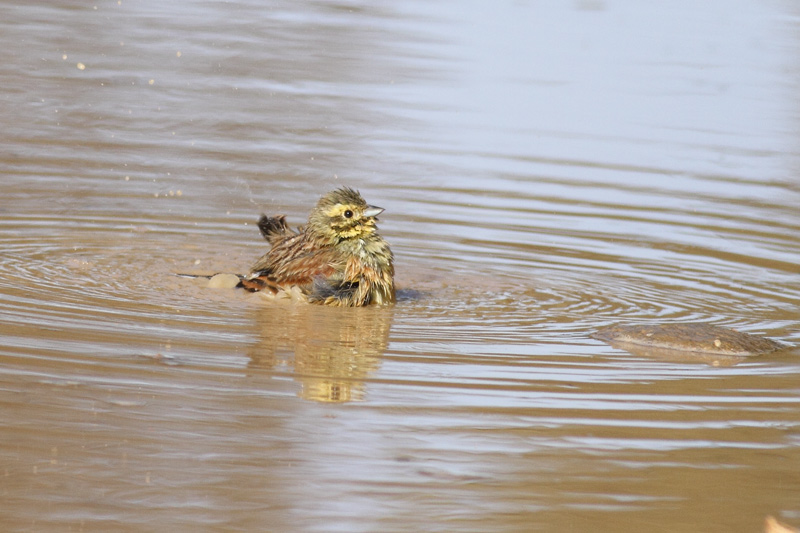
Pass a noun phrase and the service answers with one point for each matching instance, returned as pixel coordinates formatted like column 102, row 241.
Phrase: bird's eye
column 348, row 214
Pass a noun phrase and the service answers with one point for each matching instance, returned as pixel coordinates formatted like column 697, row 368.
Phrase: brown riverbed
column 545, row 170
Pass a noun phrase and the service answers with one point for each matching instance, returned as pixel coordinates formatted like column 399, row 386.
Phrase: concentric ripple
column 547, row 169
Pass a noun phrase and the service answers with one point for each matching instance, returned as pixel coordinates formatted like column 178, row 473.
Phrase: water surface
column 546, row 171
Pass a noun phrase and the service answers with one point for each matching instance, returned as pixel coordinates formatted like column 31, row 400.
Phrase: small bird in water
column 336, row 259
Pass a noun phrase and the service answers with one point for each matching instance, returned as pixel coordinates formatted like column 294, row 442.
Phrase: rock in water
column 773, row 526
column 223, row 281
column 689, row 337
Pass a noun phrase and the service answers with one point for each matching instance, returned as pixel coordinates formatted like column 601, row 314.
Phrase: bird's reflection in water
column 330, row 351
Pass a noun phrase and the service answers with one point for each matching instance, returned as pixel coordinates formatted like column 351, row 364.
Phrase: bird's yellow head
column 341, row 215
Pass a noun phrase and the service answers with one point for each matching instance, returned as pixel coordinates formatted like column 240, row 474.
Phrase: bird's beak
column 372, row 211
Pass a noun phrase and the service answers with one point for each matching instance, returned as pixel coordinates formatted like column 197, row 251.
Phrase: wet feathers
column 338, row 258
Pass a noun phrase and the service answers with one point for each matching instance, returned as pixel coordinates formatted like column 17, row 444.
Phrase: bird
column 336, row 259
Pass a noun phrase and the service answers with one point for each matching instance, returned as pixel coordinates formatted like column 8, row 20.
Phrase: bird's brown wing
column 295, row 260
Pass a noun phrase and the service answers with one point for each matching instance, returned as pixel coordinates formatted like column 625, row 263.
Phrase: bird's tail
column 272, row 227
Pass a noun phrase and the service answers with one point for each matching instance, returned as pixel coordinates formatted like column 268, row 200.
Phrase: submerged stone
column 223, row 281
column 689, row 337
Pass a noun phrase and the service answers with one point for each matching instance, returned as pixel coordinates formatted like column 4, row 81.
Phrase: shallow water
column 546, row 171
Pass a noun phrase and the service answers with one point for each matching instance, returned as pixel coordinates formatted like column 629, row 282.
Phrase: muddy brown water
column 546, row 170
